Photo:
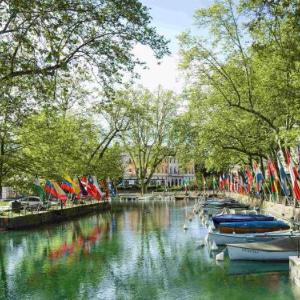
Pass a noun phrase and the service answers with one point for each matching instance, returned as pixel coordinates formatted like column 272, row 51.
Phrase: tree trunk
column 143, row 187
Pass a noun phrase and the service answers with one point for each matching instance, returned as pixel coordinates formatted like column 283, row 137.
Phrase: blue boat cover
column 256, row 224
column 221, row 218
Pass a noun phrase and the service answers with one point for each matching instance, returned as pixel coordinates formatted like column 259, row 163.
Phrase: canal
column 135, row 252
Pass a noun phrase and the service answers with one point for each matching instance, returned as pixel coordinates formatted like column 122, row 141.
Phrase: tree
column 242, row 82
column 44, row 36
column 52, row 146
column 47, row 47
column 148, row 139
column 110, row 165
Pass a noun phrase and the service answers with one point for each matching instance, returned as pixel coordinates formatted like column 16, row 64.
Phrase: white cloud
column 164, row 72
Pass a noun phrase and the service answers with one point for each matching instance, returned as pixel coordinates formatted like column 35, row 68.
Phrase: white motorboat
column 235, row 238
column 279, row 249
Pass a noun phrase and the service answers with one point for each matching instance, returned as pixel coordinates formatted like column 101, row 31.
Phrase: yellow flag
column 74, row 183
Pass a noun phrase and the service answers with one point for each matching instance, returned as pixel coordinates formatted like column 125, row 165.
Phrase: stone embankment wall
column 52, row 216
column 278, row 210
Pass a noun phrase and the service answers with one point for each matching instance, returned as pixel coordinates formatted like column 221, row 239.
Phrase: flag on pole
column 231, row 184
column 294, row 175
column 235, row 183
column 52, row 188
column 60, row 193
column 38, row 189
column 241, row 189
column 103, row 184
column 74, row 184
column 83, row 186
column 250, row 178
column 283, row 179
column 67, row 186
column 221, row 183
column 258, row 176
column 226, row 181
column 98, row 187
column 272, row 172
column 111, row 188
column 92, row 189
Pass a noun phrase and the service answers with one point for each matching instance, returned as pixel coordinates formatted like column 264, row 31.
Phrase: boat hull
column 252, row 227
column 225, row 238
column 239, row 253
column 249, row 230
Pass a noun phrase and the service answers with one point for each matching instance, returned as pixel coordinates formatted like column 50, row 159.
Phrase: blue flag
column 283, row 179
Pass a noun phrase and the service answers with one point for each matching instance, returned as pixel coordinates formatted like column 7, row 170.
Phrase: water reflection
column 139, row 253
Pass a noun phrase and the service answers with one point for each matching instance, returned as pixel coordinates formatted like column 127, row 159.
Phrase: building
column 168, row 173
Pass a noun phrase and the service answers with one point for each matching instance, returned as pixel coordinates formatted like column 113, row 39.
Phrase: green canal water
column 139, row 252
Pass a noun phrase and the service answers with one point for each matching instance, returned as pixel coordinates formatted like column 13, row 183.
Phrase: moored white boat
column 279, row 249
column 232, row 238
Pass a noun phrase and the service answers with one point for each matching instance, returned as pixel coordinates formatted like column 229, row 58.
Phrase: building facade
column 168, row 173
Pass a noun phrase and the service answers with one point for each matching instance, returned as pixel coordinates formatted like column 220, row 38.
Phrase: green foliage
column 148, row 139
column 44, row 36
column 53, row 145
column 244, row 100
column 51, row 52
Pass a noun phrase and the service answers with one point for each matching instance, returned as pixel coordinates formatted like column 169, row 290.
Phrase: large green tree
column 52, row 50
column 42, row 36
column 148, row 139
column 243, row 81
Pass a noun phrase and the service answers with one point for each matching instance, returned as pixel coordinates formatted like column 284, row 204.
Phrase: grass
column 3, row 203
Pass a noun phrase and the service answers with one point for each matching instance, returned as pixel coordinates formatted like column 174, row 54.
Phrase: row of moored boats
column 246, row 234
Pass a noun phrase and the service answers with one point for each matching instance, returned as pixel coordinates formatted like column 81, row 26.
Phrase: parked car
column 30, row 203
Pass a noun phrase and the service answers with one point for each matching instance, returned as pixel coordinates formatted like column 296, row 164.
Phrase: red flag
column 250, row 178
column 294, row 175
column 54, row 189
column 92, row 189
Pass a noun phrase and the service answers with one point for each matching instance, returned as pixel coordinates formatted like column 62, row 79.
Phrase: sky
column 170, row 17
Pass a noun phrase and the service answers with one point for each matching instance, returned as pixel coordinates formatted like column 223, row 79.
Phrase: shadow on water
column 136, row 252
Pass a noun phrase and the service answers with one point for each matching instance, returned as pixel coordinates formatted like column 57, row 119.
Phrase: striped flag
column 38, row 189
column 294, row 175
column 258, row 176
column 250, row 178
column 272, row 172
column 283, row 179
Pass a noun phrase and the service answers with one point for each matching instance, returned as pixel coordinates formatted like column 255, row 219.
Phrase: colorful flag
column 250, row 179
column 230, row 182
column 241, row 188
column 83, row 186
column 221, row 183
column 235, row 183
column 294, row 175
column 60, row 193
column 52, row 188
column 111, row 188
column 97, row 186
column 92, row 189
column 67, row 187
column 38, row 189
column 258, row 176
column 272, row 172
column 103, row 184
column 74, row 184
column 226, row 181
column 283, row 179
